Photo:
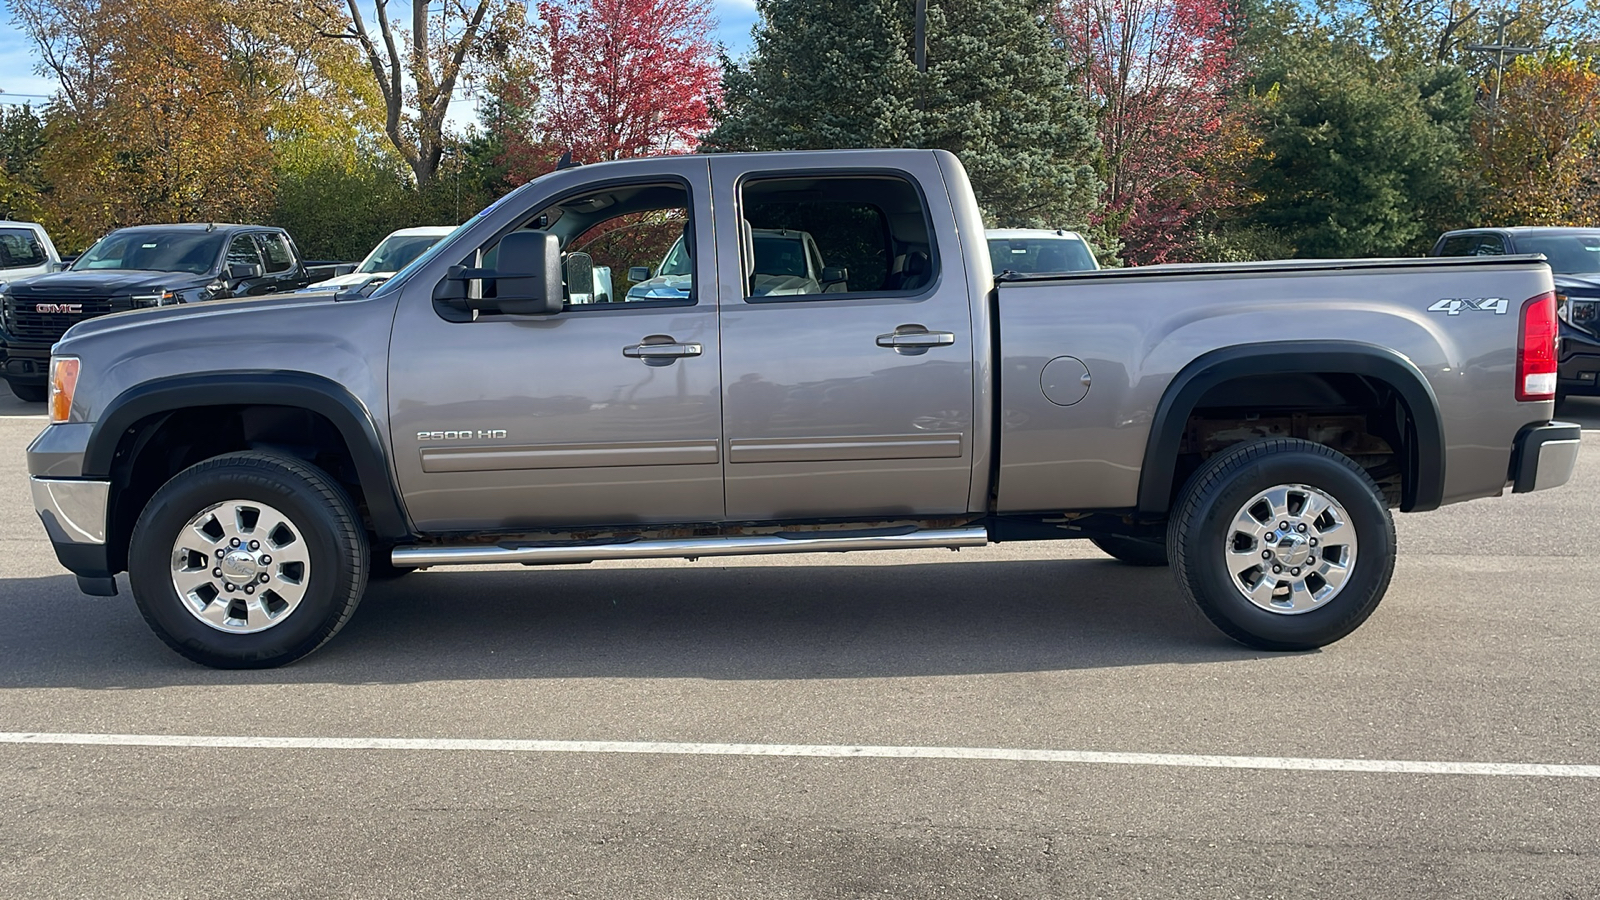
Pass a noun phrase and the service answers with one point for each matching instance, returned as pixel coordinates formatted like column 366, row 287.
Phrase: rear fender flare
column 1424, row 464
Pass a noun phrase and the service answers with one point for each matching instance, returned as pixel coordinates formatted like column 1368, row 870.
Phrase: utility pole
column 920, row 40
column 1501, row 54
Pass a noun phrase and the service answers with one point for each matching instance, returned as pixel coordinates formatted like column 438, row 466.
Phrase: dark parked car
column 132, row 268
column 1574, row 256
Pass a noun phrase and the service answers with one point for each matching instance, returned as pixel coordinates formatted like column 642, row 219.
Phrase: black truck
column 132, row 268
column 1574, row 257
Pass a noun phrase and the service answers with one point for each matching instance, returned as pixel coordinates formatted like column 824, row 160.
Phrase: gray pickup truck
column 253, row 463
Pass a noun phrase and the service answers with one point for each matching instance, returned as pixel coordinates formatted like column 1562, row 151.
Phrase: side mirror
column 835, row 275
column 526, row 277
column 57, row 267
column 244, row 271
column 579, row 269
column 637, row 274
column 527, row 274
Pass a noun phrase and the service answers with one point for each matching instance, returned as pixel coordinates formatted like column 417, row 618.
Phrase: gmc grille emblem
column 58, row 307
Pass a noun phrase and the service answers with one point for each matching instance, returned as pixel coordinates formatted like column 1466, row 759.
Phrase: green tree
column 21, row 181
column 840, row 73
column 1357, row 158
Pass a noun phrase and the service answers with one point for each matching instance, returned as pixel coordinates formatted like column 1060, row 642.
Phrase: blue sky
column 17, row 59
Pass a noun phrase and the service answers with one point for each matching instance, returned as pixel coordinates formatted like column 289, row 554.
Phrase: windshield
column 396, row 252
column 676, row 262
column 1569, row 254
column 194, row 252
column 1030, row 255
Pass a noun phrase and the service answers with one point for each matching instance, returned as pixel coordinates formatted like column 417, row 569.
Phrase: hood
column 352, row 280
column 227, row 312
column 105, row 282
column 662, row 287
column 1580, row 285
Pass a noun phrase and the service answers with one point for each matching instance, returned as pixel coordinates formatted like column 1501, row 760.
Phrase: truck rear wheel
column 248, row 560
column 1282, row 544
column 1132, row 551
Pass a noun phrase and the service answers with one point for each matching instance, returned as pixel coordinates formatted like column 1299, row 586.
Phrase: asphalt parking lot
column 1485, row 651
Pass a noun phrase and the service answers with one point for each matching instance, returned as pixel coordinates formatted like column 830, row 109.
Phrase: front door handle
column 915, row 339
column 662, row 347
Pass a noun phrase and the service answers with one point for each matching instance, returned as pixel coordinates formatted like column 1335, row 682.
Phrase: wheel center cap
column 1292, row 549
column 240, row 565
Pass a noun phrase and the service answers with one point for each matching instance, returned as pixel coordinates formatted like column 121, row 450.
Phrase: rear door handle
column 663, row 350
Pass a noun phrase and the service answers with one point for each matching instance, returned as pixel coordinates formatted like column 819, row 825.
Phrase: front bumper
column 1544, row 456
column 25, row 365
column 1578, row 366
column 73, row 511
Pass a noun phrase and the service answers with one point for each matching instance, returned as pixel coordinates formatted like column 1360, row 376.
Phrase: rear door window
column 275, row 248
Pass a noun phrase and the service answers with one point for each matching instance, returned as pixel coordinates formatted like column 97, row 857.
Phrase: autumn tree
column 417, row 71
column 21, row 181
column 841, row 73
column 1538, row 151
column 1158, row 72
column 625, row 78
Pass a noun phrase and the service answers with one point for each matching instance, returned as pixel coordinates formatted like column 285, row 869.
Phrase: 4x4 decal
column 1455, row 305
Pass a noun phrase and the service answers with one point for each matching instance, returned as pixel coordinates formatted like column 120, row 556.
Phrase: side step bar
column 688, row 548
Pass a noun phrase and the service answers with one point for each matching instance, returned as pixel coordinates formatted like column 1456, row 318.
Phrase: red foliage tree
column 625, row 78
column 1159, row 71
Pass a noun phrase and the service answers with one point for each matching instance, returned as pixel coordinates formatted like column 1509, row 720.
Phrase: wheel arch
column 1424, row 456
column 131, row 420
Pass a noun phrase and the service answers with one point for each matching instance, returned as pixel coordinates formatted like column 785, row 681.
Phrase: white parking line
column 449, row 745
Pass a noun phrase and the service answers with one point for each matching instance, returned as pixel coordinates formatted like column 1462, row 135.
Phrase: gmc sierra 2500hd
column 251, row 463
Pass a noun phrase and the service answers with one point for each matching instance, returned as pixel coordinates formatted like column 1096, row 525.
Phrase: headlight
column 161, row 299
column 1561, row 309
column 63, row 384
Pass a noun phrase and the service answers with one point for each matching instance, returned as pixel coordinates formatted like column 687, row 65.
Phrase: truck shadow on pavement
column 701, row 621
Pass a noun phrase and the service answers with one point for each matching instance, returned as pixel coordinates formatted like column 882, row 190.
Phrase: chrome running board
column 548, row 553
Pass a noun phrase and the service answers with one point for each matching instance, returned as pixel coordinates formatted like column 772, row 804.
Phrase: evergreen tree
column 840, row 73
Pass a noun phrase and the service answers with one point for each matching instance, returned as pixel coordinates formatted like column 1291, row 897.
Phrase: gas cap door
column 1065, row 380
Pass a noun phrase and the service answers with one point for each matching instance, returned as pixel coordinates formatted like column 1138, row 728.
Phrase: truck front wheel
column 29, row 393
column 1282, row 544
column 248, row 560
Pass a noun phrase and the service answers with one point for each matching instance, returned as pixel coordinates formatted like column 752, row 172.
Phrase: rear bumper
column 1544, row 456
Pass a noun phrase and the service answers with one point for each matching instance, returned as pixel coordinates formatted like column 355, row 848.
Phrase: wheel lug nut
column 1313, row 542
column 1265, row 554
column 217, row 572
column 1300, row 528
column 234, row 542
column 265, row 577
column 227, row 585
column 221, row 553
column 256, row 545
column 249, row 589
column 1294, row 571
column 1311, row 560
column 1282, row 526
column 266, row 560
column 1277, row 569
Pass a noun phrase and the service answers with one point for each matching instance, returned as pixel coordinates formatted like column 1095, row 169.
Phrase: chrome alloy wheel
column 240, row 566
column 1290, row 549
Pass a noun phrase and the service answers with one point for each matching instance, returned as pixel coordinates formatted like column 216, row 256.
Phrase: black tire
column 316, row 506
column 1203, row 521
column 1132, row 551
column 30, row 393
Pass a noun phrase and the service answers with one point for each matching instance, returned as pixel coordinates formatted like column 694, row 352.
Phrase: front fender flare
column 302, row 390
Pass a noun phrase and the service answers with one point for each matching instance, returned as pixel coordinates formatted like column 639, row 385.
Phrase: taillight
column 1536, row 349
